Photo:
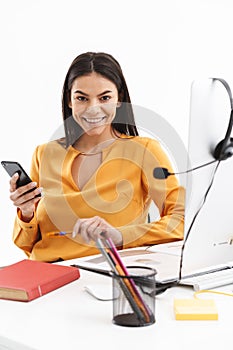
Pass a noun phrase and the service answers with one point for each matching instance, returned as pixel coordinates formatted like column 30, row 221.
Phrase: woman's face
column 93, row 101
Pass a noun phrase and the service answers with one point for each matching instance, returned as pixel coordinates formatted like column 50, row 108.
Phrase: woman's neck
column 87, row 143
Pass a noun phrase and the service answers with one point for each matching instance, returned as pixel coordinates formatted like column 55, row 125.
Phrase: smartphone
column 12, row 167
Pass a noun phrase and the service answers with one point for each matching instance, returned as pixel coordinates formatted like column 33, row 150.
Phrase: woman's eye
column 105, row 98
column 81, row 98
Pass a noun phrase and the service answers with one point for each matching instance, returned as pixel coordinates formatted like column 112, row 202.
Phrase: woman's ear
column 118, row 104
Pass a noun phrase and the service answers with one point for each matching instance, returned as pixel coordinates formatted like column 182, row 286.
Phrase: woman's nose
column 93, row 108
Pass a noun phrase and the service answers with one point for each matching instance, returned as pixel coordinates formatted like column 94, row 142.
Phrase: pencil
column 121, row 270
column 124, row 287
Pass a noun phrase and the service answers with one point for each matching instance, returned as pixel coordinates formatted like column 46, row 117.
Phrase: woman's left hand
column 91, row 228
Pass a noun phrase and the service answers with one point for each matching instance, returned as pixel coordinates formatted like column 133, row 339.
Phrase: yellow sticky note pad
column 195, row 309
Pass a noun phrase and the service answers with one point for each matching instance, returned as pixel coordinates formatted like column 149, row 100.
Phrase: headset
column 224, row 148
column 222, row 151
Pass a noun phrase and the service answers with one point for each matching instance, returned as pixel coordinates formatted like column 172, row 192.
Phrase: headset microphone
column 163, row 173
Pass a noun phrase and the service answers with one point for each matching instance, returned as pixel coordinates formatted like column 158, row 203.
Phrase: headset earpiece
column 222, row 151
column 224, row 148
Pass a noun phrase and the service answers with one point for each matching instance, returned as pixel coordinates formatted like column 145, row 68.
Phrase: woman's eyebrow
column 105, row 92
column 84, row 94
column 80, row 92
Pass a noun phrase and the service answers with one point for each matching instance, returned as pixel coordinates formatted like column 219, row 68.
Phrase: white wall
column 162, row 46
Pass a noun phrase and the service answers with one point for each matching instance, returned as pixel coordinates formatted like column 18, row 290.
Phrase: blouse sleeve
column 168, row 197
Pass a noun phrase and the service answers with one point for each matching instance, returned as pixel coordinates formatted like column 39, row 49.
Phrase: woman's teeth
column 93, row 120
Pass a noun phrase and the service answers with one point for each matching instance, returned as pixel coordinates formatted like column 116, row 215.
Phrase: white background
column 162, row 46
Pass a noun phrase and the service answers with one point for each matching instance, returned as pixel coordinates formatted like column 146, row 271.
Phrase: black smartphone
column 12, row 167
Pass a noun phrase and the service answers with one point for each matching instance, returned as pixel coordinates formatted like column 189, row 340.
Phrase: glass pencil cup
column 134, row 297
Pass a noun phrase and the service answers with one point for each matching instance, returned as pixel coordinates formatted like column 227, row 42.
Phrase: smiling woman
column 98, row 177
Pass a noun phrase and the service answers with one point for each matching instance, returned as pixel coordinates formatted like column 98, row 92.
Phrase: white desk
column 70, row 319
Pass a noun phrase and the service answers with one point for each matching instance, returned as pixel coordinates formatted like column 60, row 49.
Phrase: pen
column 100, row 271
column 55, row 234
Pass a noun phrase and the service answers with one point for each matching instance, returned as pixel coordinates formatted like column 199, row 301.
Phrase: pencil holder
column 134, row 297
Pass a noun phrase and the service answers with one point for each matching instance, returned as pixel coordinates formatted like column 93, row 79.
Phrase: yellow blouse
column 120, row 191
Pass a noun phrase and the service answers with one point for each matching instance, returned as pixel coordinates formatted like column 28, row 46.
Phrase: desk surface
column 69, row 318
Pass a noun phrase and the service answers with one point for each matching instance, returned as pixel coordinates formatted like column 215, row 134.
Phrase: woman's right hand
column 26, row 202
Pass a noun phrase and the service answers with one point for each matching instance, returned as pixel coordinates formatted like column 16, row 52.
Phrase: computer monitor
column 210, row 241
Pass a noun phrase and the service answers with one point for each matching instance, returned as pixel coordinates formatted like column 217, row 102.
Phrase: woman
column 99, row 177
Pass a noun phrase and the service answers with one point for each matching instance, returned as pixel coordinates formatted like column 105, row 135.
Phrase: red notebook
column 29, row 279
